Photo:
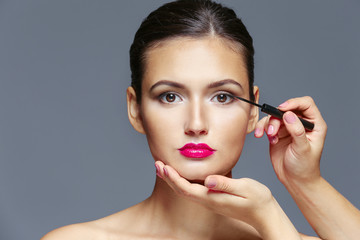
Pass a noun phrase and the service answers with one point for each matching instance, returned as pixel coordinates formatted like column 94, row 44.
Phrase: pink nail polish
column 166, row 172
column 284, row 104
column 270, row 129
column 290, row 117
column 257, row 132
column 273, row 139
column 211, row 183
column 158, row 171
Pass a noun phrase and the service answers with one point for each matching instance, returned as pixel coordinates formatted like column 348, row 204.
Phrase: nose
column 196, row 124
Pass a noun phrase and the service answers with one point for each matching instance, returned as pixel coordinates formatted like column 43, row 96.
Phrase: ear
column 254, row 112
column 134, row 113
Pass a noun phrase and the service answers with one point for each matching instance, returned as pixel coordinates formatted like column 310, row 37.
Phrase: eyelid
column 227, row 93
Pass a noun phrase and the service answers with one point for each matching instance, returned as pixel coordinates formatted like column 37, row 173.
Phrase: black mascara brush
column 273, row 111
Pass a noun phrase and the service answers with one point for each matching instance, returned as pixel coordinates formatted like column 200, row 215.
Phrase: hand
column 295, row 154
column 243, row 199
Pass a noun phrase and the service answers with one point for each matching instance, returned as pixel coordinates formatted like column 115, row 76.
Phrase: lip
column 200, row 150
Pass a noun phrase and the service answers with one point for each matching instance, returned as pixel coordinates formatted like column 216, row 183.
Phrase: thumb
column 221, row 183
column 297, row 131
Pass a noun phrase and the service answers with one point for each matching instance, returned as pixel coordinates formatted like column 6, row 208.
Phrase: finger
column 273, row 126
column 227, row 185
column 297, row 132
column 260, row 127
column 210, row 198
column 305, row 105
column 159, row 169
column 182, row 186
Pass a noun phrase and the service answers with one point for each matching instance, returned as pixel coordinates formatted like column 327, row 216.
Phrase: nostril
column 190, row 133
column 195, row 132
column 203, row 132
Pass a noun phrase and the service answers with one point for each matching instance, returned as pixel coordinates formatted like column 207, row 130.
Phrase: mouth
column 200, row 150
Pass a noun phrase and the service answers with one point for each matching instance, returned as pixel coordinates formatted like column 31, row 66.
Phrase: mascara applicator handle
column 278, row 114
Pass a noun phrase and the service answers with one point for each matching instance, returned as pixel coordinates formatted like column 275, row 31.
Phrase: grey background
column 67, row 151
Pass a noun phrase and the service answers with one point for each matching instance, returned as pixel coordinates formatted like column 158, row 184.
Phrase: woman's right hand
column 295, row 153
column 243, row 199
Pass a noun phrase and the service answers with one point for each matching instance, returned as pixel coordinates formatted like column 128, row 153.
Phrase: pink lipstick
column 200, row 150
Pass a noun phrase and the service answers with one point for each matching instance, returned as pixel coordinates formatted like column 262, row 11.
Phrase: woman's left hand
column 243, row 199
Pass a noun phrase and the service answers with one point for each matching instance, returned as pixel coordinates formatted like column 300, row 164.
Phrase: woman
column 186, row 59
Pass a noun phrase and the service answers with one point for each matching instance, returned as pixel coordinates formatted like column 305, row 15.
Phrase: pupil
column 170, row 97
column 222, row 98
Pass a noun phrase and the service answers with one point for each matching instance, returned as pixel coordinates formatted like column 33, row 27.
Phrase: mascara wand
column 273, row 111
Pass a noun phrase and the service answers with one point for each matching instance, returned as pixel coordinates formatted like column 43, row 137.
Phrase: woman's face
column 189, row 120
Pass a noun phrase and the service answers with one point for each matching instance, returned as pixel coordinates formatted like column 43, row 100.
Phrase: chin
column 197, row 172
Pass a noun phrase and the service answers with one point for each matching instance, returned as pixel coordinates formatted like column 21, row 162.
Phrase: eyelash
column 162, row 97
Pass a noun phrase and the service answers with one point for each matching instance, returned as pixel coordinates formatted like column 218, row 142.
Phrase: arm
column 295, row 155
column 330, row 214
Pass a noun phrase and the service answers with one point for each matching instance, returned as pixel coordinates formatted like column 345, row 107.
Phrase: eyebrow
column 224, row 82
column 167, row 83
column 182, row 86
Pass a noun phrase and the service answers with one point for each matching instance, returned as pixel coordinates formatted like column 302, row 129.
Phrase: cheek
column 231, row 124
column 162, row 127
column 229, row 132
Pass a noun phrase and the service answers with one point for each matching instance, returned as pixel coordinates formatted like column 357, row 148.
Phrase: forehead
column 194, row 60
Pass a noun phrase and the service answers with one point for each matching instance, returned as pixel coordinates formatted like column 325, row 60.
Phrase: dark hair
column 194, row 19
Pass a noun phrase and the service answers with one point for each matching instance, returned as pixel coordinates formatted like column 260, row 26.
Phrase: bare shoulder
column 74, row 231
column 114, row 226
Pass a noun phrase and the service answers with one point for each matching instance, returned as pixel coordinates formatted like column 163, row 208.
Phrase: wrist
column 303, row 185
column 275, row 224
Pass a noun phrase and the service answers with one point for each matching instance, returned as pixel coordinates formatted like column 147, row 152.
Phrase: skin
column 196, row 115
column 197, row 198
column 295, row 155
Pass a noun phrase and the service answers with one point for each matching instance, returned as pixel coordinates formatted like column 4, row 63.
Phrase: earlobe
column 134, row 113
column 254, row 112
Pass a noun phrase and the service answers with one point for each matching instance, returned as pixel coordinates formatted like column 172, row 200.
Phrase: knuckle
column 179, row 192
column 224, row 187
column 187, row 194
column 309, row 99
column 262, row 121
column 267, row 193
column 245, row 182
column 299, row 131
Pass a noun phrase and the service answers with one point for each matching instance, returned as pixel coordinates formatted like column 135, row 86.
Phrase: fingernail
column 290, row 117
column 283, row 104
column 273, row 140
column 166, row 172
column 270, row 129
column 211, row 182
column 257, row 132
column 158, row 171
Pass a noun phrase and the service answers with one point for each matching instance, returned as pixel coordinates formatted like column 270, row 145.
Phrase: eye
column 169, row 98
column 222, row 98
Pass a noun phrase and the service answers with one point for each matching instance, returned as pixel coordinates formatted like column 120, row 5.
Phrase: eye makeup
column 273, row 111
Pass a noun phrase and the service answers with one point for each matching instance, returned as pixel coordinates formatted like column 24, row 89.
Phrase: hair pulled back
column 194, row 19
